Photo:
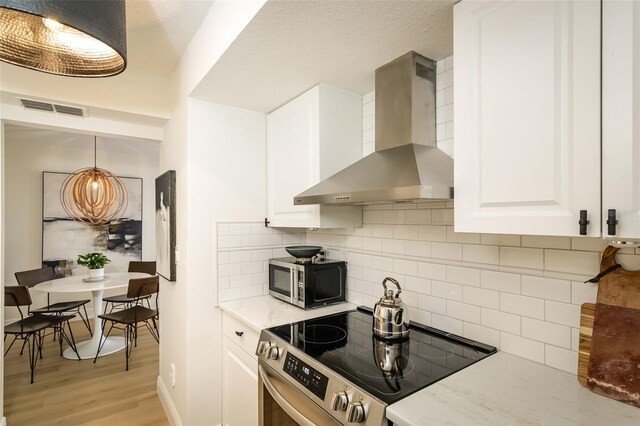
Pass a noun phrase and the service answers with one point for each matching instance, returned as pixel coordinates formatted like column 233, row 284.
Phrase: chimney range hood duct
column 406, row 165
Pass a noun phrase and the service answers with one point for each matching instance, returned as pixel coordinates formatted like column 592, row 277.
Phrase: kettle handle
column 384, row 284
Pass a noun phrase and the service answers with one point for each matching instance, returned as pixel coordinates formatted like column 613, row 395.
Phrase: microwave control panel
column 307, row 376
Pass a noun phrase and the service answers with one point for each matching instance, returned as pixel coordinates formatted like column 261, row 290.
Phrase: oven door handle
column 281, row 401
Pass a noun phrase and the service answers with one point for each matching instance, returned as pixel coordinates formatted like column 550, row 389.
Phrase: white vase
column 96, row 273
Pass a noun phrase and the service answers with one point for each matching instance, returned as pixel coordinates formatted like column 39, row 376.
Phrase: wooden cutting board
column 586, row 329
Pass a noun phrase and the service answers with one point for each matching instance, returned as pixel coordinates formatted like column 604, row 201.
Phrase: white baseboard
column 3, row 421
column 167, row 403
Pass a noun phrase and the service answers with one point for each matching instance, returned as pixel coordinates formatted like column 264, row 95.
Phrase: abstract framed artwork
column 166, row 225
column 63, row 239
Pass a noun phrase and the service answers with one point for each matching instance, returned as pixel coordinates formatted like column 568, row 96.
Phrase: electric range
column 337, row 362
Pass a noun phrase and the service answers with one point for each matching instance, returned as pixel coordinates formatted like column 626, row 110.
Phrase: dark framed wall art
column 166, row 225
column 63, row 239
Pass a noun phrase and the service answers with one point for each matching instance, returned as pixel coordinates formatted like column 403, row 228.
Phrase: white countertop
column 504, row 389
column 266, row 311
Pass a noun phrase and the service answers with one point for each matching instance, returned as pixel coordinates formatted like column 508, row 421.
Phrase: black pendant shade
column 78, row 38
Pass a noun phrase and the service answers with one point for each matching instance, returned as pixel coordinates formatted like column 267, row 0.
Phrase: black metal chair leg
column 12, row 342
column 72, row 343
column 126, row 346
column 85, row 319
column 24, row 342
column 33, row 357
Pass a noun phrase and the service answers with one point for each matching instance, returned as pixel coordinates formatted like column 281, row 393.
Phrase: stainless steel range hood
column 406, row 165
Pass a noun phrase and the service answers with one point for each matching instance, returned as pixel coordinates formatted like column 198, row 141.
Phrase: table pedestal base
column 88, row 348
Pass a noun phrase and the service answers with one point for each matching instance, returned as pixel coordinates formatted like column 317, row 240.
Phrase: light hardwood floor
column 81, row 392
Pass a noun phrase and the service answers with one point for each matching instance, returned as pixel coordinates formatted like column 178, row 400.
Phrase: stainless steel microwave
column 308, row 285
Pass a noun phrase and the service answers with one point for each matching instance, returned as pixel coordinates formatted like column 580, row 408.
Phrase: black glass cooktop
column 389, row 371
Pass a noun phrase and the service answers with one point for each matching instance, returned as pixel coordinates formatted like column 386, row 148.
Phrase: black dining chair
column 30, row 329
column 128, row 319
column 34, row 277
column 122, row 300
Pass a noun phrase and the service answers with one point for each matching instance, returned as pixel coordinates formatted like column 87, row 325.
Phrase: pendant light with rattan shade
column 77, row 38
column 94, row 196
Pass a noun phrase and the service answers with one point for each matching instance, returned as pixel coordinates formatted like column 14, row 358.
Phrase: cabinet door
column 527, row 116
column 621, row 115
column 292, row 152
column 239, row 386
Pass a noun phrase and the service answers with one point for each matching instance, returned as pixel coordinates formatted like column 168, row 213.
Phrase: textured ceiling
column 158, row 31
column 290, row 46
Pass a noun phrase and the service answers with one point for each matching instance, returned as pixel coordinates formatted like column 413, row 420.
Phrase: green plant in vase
column 95, row 262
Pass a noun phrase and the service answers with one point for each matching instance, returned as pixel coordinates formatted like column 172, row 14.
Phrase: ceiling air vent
column 43, row 106
column 47, row 106
column 64, row 109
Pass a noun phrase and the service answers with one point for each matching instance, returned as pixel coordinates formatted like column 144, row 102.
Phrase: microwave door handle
column 281, row 401
column 294, row 284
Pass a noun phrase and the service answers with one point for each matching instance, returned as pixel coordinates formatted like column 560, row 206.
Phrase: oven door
column 281, row 277
column 280, row 403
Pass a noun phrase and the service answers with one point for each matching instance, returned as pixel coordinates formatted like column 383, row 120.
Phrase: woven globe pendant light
column 94, row 196
column 77, row 38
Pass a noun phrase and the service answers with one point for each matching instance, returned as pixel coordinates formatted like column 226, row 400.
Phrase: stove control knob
column 339, row 401
column 273, row 352
column 262, row 347
column 355, row 412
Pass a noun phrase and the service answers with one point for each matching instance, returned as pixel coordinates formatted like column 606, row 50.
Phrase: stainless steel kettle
column 390, row 314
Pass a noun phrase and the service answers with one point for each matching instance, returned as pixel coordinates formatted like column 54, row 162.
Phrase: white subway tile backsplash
column 546, row 288
column 546, row 242
column 589, row 244
column 520, row 346
column 393, row 217
column 562, row 359
column 239, row 256
column 417, row 217
column 432, row 304
column 228, row 241
column 500, row 320
column 417, row 285
column 432, row 233
column 372, row 216
column 562, row 313
column 466, row 276
column 432, row 271
column 442, row 216
column 500, row 281
column 250, row 241
column 462, row 237
column 522, row 305
column 522, row 257
column 449, row 251
column 480, row 254
column 481, row 297
column 223, row 258
column 451, row 325
column 405, row 267
column 481, row 334
column 405, row 232
column 446, row 290
column 372, row 244
column 463, row 311
column 382, row 231
column 500, row 240
column 417, row 248
column 554, row 334
column 393, row 246
column 577, row 262
column 583, row 292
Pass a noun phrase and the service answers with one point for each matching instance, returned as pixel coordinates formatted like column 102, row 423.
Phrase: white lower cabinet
column 239, row 374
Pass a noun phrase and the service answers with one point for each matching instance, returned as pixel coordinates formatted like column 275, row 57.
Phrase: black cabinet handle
column 239, row 333
column 583, row 222
column 611, row 222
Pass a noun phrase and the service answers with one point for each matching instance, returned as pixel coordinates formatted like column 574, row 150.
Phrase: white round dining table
column 75, row 284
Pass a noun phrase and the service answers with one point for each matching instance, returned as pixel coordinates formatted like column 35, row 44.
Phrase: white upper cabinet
column 309, row 139
column 527, row 116
column 621, row 116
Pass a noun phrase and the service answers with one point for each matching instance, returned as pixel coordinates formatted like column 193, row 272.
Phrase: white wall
column 29, row 152
column 187, row 305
